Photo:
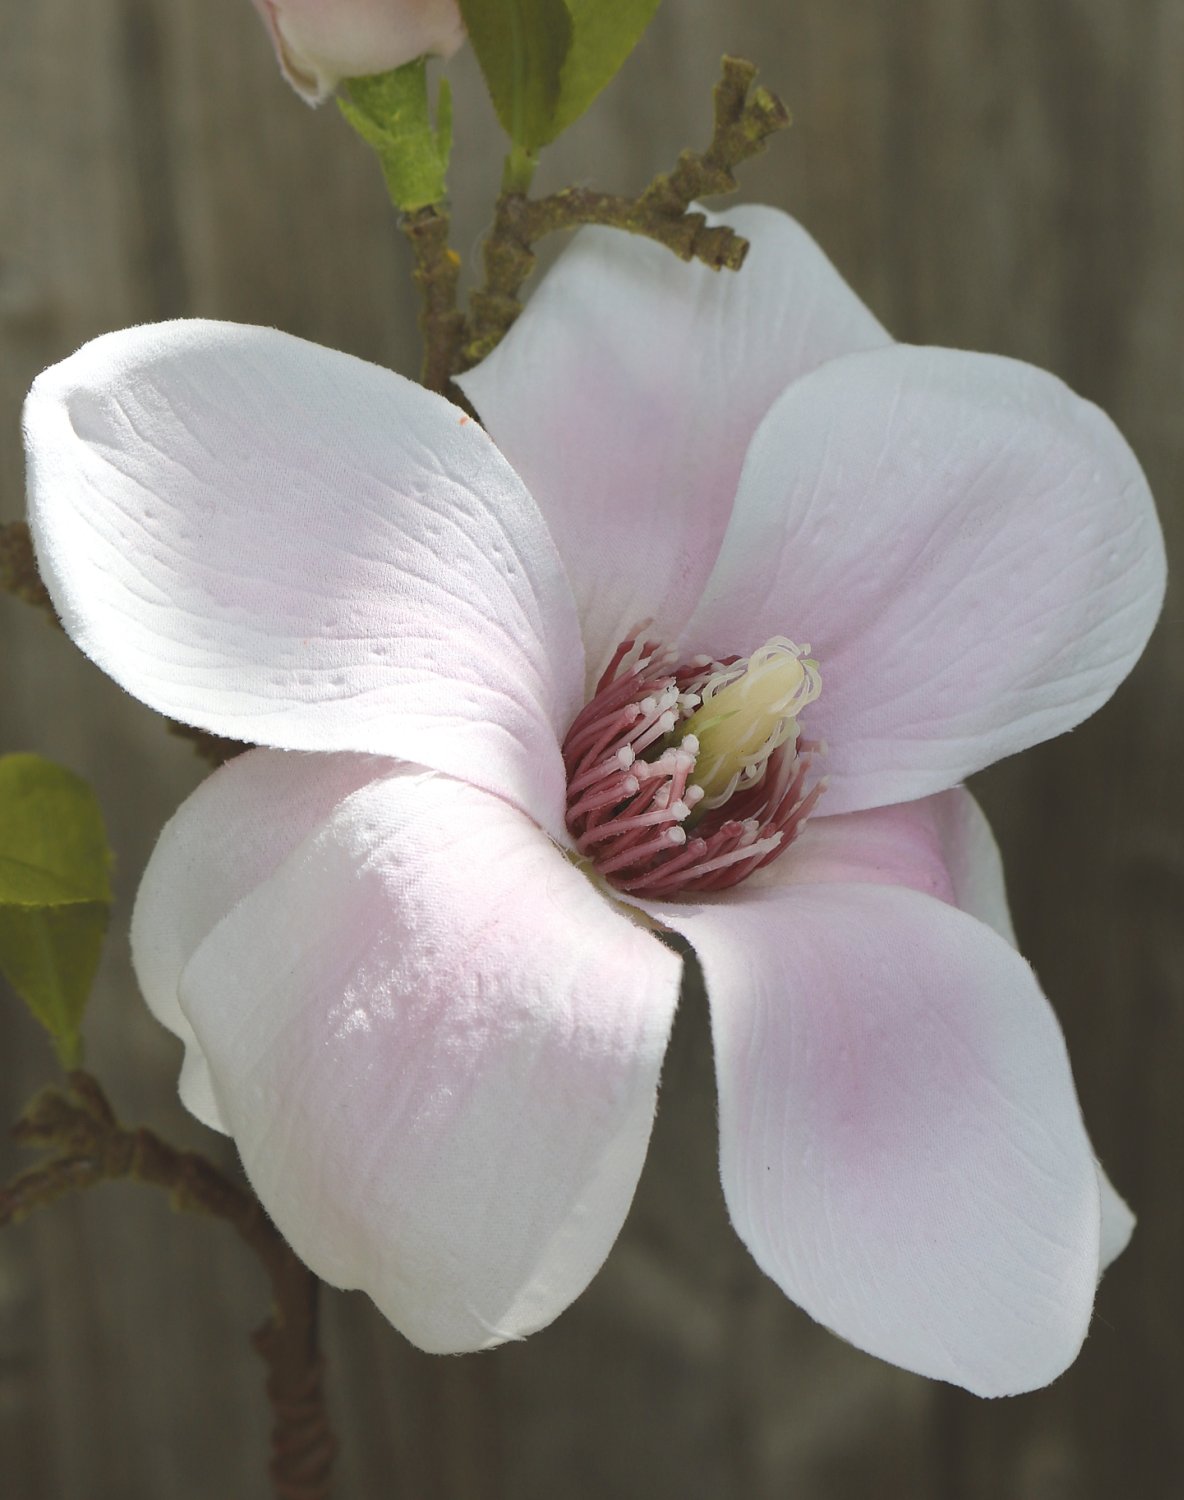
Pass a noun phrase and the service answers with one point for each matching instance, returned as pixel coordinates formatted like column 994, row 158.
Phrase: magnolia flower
column 320, row 42
column 531, row 695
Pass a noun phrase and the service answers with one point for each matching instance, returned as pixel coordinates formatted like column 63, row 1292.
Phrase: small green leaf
column 55, row 892
column 604, row 33
column 522, row 46
column 390, row 112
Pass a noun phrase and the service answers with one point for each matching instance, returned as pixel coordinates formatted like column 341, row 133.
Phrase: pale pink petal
column 944, row 847
column 970, row 549
column 437, row 1046
column 234, row 832
column 941, row 845
column 287, row 545
column 899, row 845
column 319, row 42
column 627, row 392
column 901, row 1145
column 972, row 857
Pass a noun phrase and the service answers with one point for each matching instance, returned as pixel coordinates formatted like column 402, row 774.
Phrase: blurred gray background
column 996, row 174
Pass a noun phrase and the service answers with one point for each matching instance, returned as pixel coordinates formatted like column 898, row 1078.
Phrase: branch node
column 744, row 119
column 86, row 1145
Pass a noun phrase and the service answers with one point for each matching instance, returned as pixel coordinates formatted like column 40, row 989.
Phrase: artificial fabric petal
column 901, row 1146
column 941, row 845
column 437, row 1047
column 286, row 545
column 628, row 390
column 228, row 837
column 969, row 548
column 1118, row 1223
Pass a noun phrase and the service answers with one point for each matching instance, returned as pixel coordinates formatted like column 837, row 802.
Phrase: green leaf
column 55, row 892
column 522, row 46
column 604, row 33
column 390, row 112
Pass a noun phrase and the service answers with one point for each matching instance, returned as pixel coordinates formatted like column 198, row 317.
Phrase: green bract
column 390, row 112
column 55, row 892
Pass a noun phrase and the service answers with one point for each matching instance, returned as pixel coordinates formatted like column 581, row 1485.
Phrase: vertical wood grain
column 996, row 174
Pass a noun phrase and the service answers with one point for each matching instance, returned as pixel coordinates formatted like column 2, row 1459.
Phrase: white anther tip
column 676, row 836
column 626, row 755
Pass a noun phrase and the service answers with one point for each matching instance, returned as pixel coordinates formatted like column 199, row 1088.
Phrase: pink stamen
column 626, row 812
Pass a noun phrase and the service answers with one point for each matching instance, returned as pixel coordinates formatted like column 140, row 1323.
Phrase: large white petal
column 437, row 1047
column 229, row 836
column 901, row 1145
column 970, row 549
column 284, row 544
column 1118, row 1223
column 628, row 390
column 942, row 846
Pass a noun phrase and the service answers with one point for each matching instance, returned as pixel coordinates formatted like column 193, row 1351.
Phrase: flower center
column 686, row 777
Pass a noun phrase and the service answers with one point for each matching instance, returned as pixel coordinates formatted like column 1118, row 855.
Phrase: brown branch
column 436, row 274
column 18, row 568
column 745, row 118
column 211, row 747
column 91, row 1146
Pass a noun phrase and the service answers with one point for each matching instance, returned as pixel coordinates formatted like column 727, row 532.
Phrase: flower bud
column 320, row 42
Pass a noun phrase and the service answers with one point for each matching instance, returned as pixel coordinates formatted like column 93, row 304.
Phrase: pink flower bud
column 320, row 42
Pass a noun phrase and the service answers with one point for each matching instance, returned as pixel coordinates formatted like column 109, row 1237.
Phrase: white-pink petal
column 941, row 845
column 1118, row 1223
column 437, row 1047
column 970, row 549
column 901, row 1145
column 286, row 545
column 319, row 42
column 228, row 837
column 628, row 390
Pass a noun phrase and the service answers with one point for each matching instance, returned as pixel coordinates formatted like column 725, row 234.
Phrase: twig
column 211, row 747
column 436, row 274
column 18, row 568
column 89, row 1146
column 745, row 118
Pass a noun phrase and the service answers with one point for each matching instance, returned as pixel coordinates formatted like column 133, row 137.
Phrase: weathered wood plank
column 989, row 173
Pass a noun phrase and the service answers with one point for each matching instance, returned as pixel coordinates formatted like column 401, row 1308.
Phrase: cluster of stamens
column 658, row 811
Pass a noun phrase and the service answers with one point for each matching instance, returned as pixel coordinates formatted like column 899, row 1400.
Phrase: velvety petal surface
column 226, row 839
column 437, row 1047
column 284, row 544
column 970, row 549
column 628, row 390
column 941, row 845
column 901, row 1145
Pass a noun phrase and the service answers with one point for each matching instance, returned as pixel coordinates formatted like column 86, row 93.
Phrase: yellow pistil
column 748, row 711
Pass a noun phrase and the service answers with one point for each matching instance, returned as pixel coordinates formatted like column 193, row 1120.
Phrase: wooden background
column 996, row 174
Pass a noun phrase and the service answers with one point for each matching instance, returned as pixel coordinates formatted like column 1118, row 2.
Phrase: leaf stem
column 518, row 172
